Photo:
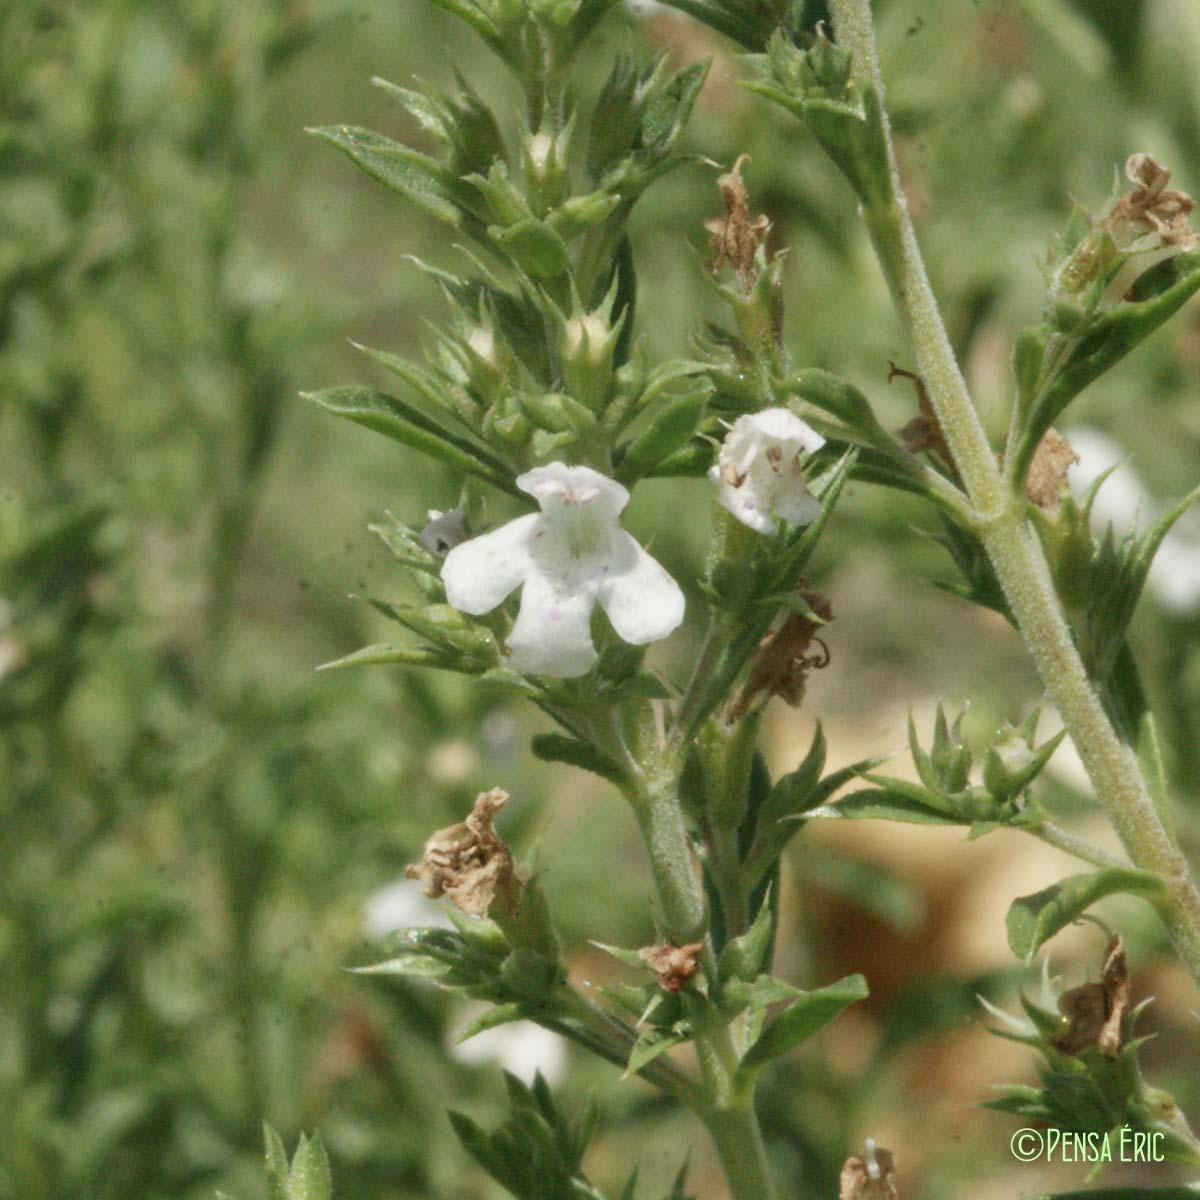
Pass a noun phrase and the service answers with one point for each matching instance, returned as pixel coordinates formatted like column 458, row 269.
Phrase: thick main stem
column 743, row 1157
column 1014, row 551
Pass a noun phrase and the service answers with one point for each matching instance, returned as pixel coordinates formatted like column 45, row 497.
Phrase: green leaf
column 421, row 180
column 277, row 1164
column 557, row 747
column 420, row 380
column 885, row 804
column 1034, row 919
column 470, row 14
column 743, row 957
column 477, row 1144
column 407, row 425
column 839, row 399
column 652, row 1042
column 670, row 429
column 310, row 1177
column 492, row 1018
column 731, row 23
column 534, row 246
column 806, row 1016
column 412, row 964
column 386, row 654
column 669, row 109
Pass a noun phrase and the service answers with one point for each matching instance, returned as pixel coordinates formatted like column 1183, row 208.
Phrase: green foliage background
column 191, row 820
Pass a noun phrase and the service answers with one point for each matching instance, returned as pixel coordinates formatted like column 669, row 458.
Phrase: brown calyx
column 782, row 661
column 736, row 237
column 674, row 965
column 1048, row 470
column 1152, row 207
column 1095, row 1012
column 470, row 864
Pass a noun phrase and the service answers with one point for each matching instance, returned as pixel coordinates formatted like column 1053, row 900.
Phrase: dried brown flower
column 923, row 432
column 736, row 237
column 469, row 863
column 1048, row 470
column 782, row 661
column 674, row 965
column 871, row 1177
column 1096, row 1011
column 1152, row 207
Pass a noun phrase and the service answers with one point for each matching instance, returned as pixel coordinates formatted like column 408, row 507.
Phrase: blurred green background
column 195, row 828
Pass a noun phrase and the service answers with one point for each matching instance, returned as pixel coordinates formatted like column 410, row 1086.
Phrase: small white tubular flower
column 758, row 471
column 566, row 559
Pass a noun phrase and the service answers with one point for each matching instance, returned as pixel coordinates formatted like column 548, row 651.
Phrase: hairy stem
column 679, row 893
column 743, row 1157
column 1062, row 839
column 1015, row 553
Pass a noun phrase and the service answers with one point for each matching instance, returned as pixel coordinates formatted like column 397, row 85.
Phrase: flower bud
column 489, row 365
column 587, row 344
column 544, row 158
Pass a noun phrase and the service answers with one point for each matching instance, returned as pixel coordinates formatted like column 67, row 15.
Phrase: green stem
column 679, row 893
column 1015, row 552
column 610, row 1038
column 1062, row 839
column 743, row 1156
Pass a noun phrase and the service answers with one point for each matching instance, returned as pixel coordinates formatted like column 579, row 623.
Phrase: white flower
column 566, row 559
column 758, row 472
column 401, row 905
column 521, row 1048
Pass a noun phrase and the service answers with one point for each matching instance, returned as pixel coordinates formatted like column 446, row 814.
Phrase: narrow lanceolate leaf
column 838, row 398
column 403, row 423
column 650, row 1044
column 670, row 429
column 557, row 747
column 418, row 178
column 277, row 1164
column 420, row 380
column 807, row 1016
column 534, row 246
column 885, row 804
column 744, row 956
column 385, row 654
column 1035, row 919
column 499, row 1014
column 412, row 964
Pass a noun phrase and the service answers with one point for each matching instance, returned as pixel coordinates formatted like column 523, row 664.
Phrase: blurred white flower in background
column 401, row 905
column 1124, row 503
column 521, row 1048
